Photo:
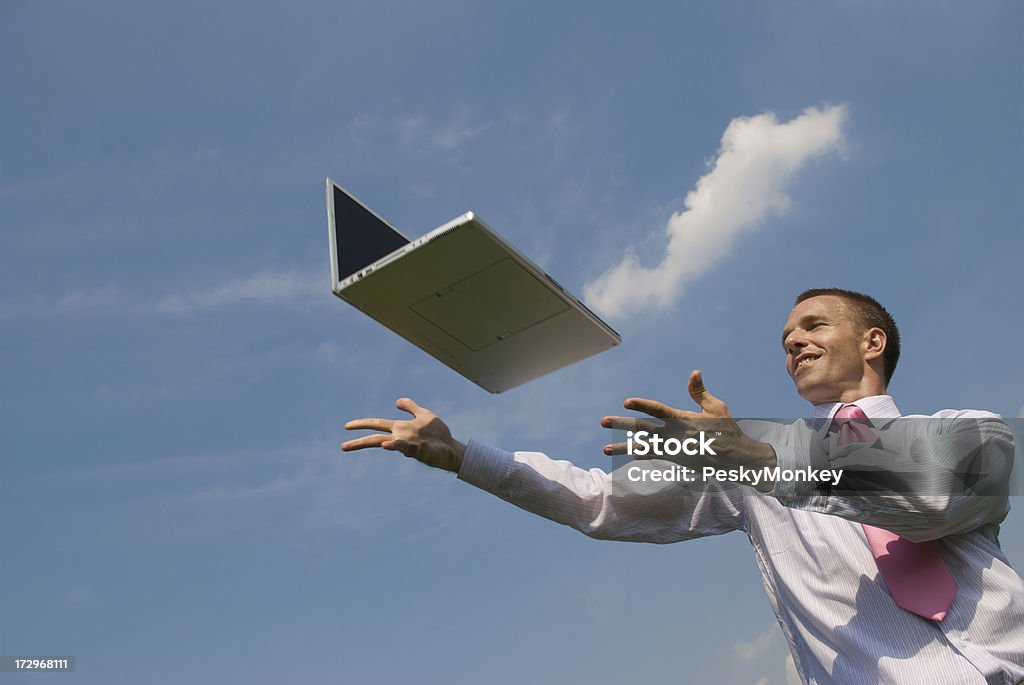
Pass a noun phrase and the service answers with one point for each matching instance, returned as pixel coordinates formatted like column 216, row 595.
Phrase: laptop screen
column 359, row 236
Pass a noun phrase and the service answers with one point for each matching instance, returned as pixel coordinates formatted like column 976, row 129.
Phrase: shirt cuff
column 485, row 466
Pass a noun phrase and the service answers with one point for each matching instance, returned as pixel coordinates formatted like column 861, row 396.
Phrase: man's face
column 824, row 354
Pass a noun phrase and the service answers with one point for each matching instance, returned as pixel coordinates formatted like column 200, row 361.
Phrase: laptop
column 461, row 294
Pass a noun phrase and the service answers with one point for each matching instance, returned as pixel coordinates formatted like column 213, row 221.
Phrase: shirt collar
column 875, row 406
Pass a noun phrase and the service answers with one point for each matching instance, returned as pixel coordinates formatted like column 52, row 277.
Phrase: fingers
column 657, row 409
column 371, row 424
column 651, row 407
column 387, row 442
column 405, row 404
column 367, row 441
column 629, row 423
column 615, row 448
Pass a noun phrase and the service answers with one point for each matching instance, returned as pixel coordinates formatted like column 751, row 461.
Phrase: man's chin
column 815, row 393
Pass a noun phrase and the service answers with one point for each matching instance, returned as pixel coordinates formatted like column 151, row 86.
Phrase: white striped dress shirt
column 841, row 624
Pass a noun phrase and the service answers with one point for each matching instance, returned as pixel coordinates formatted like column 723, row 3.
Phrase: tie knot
column 853, row 426
column 851, row 411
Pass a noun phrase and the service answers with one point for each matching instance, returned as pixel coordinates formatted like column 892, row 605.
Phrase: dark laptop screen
column 360, row 237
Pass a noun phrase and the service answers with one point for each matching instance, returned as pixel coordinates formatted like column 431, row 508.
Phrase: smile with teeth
column 803, row 362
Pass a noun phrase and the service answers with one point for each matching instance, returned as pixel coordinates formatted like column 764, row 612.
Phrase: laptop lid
column 359, row 237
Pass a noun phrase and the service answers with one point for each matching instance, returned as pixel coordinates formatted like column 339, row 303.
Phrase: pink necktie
column 915, row 572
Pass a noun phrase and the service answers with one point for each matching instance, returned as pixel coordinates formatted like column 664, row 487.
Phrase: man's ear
column 874, row 343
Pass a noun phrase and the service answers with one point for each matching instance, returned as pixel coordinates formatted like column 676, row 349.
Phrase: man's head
column 840, row 345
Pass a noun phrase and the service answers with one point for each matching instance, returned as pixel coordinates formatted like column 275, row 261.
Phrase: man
column 895, row 576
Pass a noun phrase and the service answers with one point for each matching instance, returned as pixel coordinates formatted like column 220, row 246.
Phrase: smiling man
column 852, row 334
column 894, row 576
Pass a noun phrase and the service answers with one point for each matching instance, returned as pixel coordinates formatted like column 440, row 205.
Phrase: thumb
column 697, row 390
column 709, row 404
column 408, row 405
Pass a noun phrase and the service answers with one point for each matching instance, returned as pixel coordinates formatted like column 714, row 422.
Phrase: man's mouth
column 801, row 361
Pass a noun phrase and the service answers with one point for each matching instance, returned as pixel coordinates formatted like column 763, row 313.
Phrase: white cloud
column 746, row 185
column 748, row 650
column 762, row 681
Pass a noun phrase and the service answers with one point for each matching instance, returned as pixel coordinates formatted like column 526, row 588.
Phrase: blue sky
column 177, row 371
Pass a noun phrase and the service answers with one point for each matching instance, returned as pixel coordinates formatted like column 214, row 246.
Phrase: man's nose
column 794, row 342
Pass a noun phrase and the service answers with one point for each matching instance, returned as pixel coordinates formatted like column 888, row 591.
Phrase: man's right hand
column 425, row 437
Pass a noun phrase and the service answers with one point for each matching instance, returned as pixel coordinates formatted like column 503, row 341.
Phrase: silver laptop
column 460, row 293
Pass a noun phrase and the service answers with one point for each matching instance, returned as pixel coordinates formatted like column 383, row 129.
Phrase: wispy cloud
column 308, row 492
column 748, row 650
column 103, row 297
column 455, row 134
column 746, row 184
column 266, row 287
column 409, row 128
column 439, row 136
column 277, row 287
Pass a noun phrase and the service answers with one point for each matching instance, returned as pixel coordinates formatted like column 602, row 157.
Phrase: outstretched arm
column 596, row 503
